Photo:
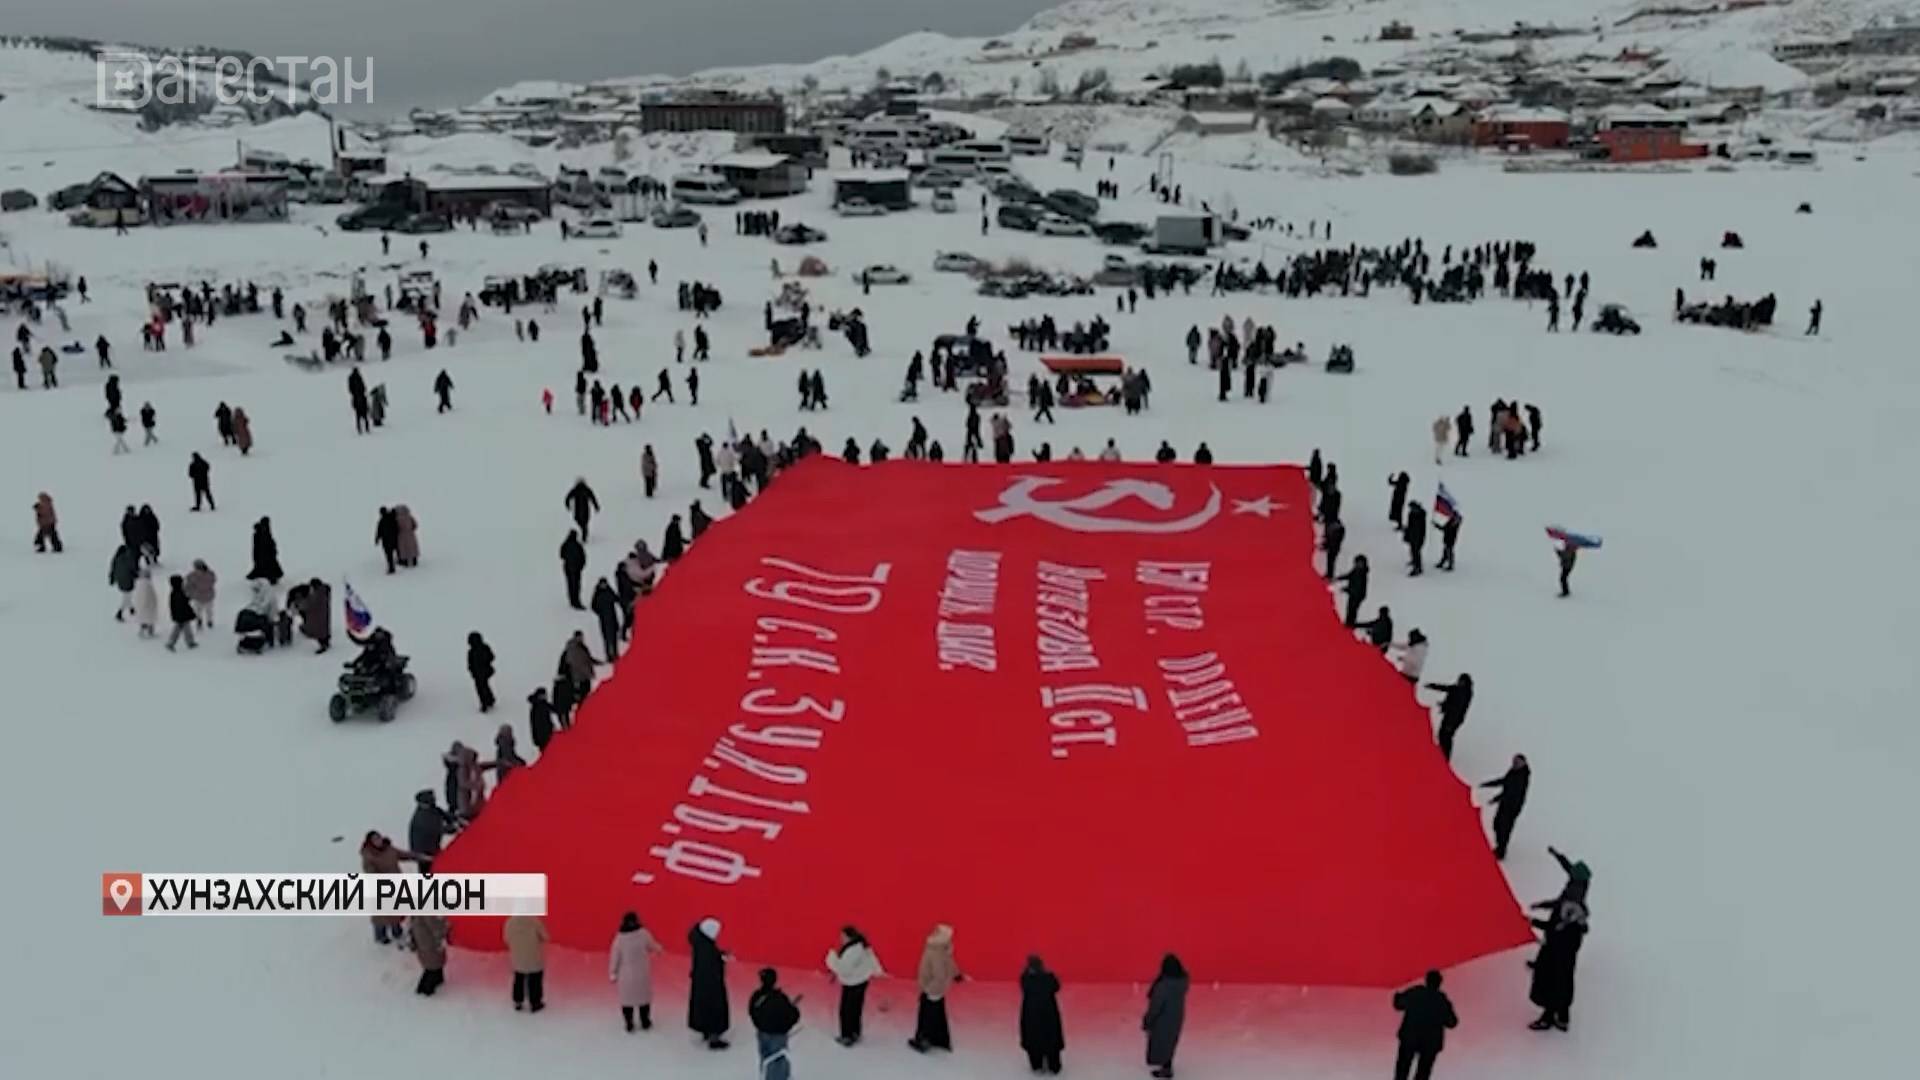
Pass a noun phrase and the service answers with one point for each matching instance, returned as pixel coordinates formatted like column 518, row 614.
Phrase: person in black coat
column 1379, row 629
column 1453, row 710
column 698, row 519
column 386, row 533
column 443, row 389
column 425, row 830
column 1449, row 535
column 266, row 554
column 703, row 447
column 1332, row 537
column 1397, row 504
column 1425, row 1017
column 582, row 502
column 1553, row 968
column 673, row 545
column 540, row 718
column 1166, row 455
column 1462, row 431
column 707, row 1010
column 573, row 562
column 1509, row 802
column 1355, row 583
column 606, row 607
column 480, row 666
column 774, row 1016
column 1166, row 1013
column 1415, row 534
column 180, row 609
column 1316, row 470
column 1042, row 1035
column 201, row 475
column 1203, row 455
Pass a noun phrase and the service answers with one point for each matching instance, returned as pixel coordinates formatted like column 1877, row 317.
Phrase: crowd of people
column 744, row 466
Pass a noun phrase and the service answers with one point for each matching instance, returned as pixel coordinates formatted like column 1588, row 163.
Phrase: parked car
column 18, row 199
column 1077, row 205
column 959, row 262
column 798, row 233
column 1013, row 216
column 598, row 228
column 939, row 179
column 675, row 217
column 1125, row 233
column 1012, row 189
column 1235, row 232
column 945, row 203
column 1073, row 155
column 374, row 216
column 1055, row 225
column 859, row 208
column 886, row 274
column 425, row 223
column 512, row 211
column 68, row 197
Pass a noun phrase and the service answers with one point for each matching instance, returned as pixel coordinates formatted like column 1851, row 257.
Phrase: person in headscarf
column 938, row 973
column 707, row 1011
column 1166, row 1015
column 1042, row 1035
column 630, row 968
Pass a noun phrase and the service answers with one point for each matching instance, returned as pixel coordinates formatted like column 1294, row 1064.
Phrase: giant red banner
column 1097, row 712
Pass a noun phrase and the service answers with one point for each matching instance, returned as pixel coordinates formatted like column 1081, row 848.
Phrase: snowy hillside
column 1132, row 39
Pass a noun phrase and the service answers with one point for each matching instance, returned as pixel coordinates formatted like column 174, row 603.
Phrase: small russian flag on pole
column 1443, row 502
column 359, row 620
column 1571, row 538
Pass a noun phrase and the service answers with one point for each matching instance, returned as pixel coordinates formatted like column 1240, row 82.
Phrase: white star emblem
column 1263, row 506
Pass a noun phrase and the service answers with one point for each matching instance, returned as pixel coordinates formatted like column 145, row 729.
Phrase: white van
column 1030, row 145
column 704, row 188
column 986, row 149
column 876, row 134
column 954, row 160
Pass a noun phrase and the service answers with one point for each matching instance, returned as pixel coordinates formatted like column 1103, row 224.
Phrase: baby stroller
column 376, row 679
column 256, row 632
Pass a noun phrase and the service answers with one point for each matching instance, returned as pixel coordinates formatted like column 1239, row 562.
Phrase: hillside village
column 1652, row 86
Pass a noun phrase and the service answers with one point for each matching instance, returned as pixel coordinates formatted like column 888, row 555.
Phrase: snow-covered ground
column 1717, row 720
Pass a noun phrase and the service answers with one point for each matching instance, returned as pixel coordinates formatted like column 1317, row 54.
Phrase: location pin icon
column 122, row 891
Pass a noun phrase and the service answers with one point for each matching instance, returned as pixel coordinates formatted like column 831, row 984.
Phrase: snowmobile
column 377, row 679
column 1613, row 319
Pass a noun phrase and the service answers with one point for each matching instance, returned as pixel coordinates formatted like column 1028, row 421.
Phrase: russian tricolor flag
column 1571, row 538
column 1443, row 502
column 358, row 619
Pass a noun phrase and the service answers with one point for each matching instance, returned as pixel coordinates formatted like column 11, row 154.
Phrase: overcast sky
column 449, row 52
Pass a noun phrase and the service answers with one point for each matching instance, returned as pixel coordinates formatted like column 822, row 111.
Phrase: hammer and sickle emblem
column 1083, row 514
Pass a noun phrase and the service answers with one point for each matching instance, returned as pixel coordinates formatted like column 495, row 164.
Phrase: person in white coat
column 1413, row 657
column 727, row 461
column 1110, row 452
column 1442, row 437
column 630, row 968
column 146, row 602
column 854, row 965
